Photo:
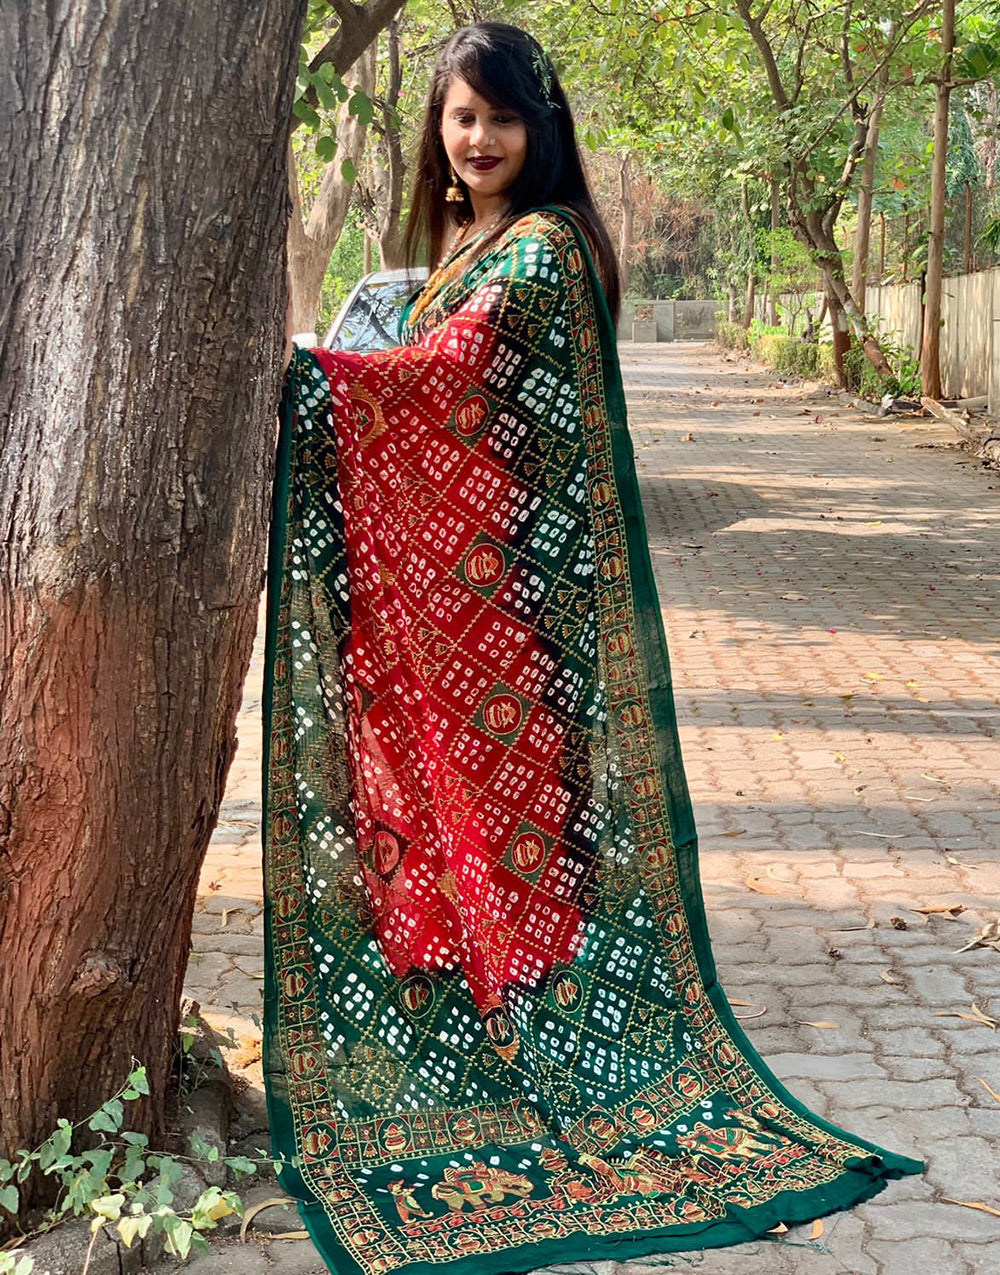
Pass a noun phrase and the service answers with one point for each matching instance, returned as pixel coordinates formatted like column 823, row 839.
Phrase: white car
column 369, row 318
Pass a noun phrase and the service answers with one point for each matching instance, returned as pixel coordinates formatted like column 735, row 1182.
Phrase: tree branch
column 359, row 26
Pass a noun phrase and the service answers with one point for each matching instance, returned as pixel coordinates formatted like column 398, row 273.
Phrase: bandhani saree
column 494, row 1036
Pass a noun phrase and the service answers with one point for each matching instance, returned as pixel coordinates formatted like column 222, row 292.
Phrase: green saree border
column 281, row 1124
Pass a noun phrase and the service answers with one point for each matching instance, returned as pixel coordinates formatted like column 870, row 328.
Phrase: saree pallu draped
column 494, row 1038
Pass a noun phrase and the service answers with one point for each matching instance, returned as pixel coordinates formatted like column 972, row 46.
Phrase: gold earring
column 454, row 194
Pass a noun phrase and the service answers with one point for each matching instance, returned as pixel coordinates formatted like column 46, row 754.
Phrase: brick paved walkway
column 830, row 591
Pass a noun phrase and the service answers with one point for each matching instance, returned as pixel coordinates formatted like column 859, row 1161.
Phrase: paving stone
column 922, row 1254
column 929, row 1217
column 230, row 1259
column 830, row 1067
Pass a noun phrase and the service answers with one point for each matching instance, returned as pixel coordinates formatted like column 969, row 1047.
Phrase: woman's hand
column 289, row 323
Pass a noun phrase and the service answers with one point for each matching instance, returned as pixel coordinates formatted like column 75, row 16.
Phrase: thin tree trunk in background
column 930, row 354
column 750, row 299
column 392, row 175
column 142, row 297
column 627, row 227
column 368, row 253
column 775, row 261
column 733, row 304
column 866, row 193
column 967, row 260
column 841, row 336
column 312, row 239
column 881, row 251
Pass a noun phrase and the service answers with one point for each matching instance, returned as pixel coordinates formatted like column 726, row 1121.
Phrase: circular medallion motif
column 417, row 995
column 499, row 1028
column 567, row 990
column 386, row 852
column 527, row 851
column 470, row 415
column 503, row 713
column 485, row 565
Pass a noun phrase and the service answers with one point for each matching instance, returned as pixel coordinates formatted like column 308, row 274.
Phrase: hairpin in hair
column 543, row 73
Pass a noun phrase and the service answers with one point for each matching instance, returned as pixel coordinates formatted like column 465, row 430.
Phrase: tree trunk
column 773, row 317
column 866, row 195
column 393, row 175
column 627, row 229
column 967, row 256
column 141, row 328
column 311, row 240
column 930, row 354
column 841, row 336
column 732, row 308
column 751, row 298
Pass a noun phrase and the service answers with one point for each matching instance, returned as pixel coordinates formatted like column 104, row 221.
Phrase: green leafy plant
column 119, row 1182
column 862, row 378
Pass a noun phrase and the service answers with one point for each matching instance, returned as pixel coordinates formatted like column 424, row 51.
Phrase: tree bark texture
column 143, row 189
column 866, row 195
column 379, row 192
column 930, row 353
column 773, row 316
column 312, row 238
column 627, row 230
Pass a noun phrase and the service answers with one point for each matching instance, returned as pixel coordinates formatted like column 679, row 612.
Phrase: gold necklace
column 450, row 265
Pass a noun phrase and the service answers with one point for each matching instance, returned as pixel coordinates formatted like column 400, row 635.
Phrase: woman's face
column 486, row 144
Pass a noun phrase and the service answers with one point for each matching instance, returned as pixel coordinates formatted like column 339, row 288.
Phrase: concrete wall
column 675, row 320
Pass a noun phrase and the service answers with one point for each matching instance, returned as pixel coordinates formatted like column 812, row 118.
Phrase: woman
column 494, row 1035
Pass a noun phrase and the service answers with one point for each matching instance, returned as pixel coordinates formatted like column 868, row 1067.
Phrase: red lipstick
column 483, row 163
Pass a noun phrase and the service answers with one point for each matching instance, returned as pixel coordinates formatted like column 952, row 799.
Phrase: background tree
column 141, row 324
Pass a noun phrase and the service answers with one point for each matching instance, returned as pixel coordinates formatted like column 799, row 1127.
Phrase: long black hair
column 507, row 67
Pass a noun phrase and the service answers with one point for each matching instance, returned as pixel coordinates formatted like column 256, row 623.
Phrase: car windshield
column 372, row 323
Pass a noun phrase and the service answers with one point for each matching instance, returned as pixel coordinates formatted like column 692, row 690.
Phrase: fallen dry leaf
column 761, row 885
column 252, row 1212
column 793, row 597
column 886, row 977
column 898, row 923
column 817, row 1229
column 823, row 1023
column 969, row 1204
column 780, row 1229
column 950, row 910
column 977, row 1016
column 737, row 832
column 989, row 1088
column 988, row 936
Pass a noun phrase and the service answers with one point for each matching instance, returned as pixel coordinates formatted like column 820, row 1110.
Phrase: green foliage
column 732, row 336
column 119, row 1183
column 862, row 379
column 773, row 347
column 347, row 265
